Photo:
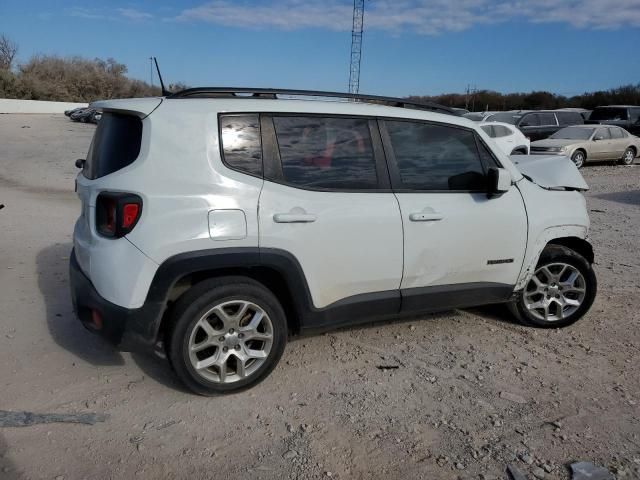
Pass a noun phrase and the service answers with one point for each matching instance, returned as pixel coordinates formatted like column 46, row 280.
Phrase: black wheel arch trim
column 352, row 310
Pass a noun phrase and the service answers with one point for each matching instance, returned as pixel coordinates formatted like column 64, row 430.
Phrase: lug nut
column 241, row 335
column 224, row 349
column 231, row 330
column 221, row 339
column 237, row 347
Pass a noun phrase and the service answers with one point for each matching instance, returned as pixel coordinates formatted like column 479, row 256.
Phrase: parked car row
column 588, row 142
column 569, row 132
column 84, row 115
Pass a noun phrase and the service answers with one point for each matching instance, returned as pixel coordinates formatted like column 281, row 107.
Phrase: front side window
column 602, row 134
column 326, row 152
column 240, row 135
column 436, row 157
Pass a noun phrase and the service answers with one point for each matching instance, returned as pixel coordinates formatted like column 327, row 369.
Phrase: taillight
column 117, row 213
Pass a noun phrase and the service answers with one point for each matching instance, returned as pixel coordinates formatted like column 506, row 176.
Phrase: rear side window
column 326, row 152
column 547, row 119
column 115, row 145
column 569, row 118
column 530, row 120
column 436, row 157
column 615, row 133
column 241, row 146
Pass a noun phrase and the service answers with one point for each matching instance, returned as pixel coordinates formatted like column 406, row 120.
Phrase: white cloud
column 130, row 14
column 133, row 14
column 428, row 17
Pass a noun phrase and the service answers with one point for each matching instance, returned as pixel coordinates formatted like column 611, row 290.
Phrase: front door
column 460, row 247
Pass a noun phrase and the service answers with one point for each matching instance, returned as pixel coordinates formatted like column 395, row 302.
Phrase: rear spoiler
column 141, row 107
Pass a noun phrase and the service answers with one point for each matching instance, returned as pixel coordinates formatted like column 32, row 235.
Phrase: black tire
column 578, row 158
column 628, row 157
column 190, row 308
column 555, row 254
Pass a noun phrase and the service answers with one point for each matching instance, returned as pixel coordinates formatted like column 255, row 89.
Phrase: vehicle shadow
column 630, row 197
column 52, row 265
column 8, row 470
column 159, row 370
column 496, row 313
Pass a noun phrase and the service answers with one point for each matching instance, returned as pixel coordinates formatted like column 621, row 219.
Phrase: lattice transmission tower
column 356, row 46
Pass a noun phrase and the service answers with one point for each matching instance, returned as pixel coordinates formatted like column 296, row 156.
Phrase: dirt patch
column 472, row 391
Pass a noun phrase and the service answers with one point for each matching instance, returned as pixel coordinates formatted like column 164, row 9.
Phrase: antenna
column 165, row 92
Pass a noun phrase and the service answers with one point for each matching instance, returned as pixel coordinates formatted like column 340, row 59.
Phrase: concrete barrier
column 8, row 105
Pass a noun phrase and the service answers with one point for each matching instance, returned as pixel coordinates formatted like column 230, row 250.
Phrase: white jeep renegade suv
column 217, row 221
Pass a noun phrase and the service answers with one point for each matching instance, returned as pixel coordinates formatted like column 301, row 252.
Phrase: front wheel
column 561, row 290
column 628, row 156
column 578, row 158
column 228, row 334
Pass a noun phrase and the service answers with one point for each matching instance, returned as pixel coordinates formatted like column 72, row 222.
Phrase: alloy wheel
column 555, row 292
column 231, row 341
column 578, row 159
column 629, row 156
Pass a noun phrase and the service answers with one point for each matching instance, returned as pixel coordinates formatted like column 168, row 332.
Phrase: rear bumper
column 128, row 329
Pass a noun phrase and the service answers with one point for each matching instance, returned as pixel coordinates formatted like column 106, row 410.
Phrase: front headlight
column 554, row 149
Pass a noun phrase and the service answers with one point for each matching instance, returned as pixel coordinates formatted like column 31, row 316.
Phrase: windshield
column 476, row 117
column 506, row 117
column 609, row 113
column 573, row 133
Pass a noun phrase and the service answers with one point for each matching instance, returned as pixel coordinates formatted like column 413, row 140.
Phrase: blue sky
column 410, row 46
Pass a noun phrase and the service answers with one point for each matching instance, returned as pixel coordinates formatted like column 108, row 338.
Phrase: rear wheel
column 561, row 290
column 578, row 158
column 228, row 335
column 628, row 156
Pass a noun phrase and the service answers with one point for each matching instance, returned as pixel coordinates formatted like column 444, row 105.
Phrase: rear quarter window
column 115, row 145
column 241, row 145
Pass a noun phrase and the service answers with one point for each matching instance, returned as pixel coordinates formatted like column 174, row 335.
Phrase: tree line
column 489, row 100
column 77, row 79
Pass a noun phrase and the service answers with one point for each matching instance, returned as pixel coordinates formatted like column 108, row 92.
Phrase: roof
column 618, row 106
column 276, row 93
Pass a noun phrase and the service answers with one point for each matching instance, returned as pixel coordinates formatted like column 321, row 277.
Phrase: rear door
column 459, row 245
column 327, row 201
column 618, row 142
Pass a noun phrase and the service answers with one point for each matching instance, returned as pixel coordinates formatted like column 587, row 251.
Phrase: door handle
column 294, row 218
column 426, row 217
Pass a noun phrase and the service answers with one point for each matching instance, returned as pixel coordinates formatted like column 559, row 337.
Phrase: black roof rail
column 274, row 93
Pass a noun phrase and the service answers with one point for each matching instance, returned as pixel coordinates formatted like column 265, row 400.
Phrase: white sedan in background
column 508, row 138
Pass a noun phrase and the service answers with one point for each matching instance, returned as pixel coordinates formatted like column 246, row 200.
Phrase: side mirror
column 80, row 163
column 499, row 181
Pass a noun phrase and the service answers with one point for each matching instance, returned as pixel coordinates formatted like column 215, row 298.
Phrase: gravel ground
column 472, row 391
